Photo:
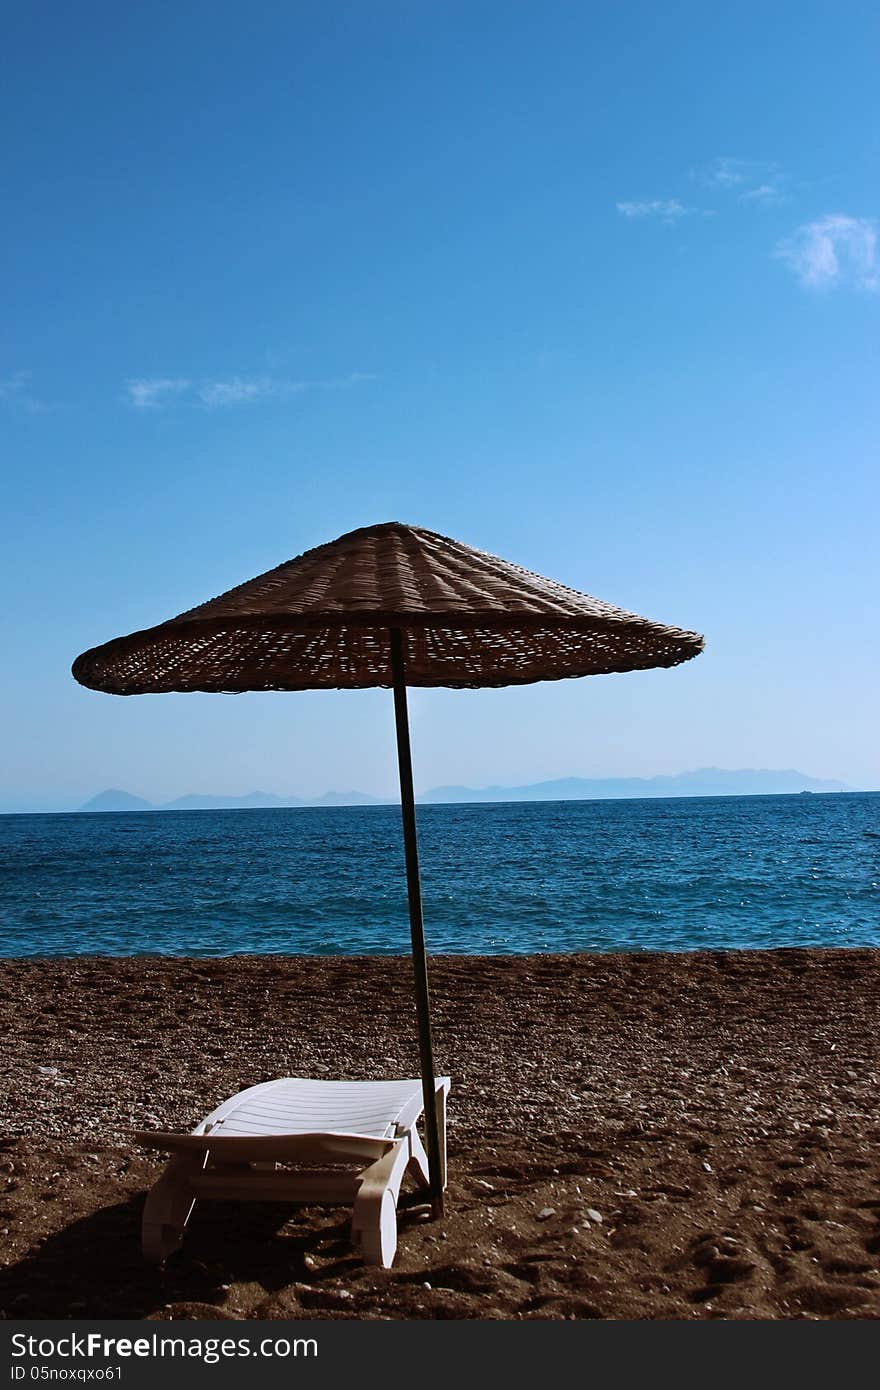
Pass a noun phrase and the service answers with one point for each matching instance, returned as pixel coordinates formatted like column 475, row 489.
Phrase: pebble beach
column 677, row 1136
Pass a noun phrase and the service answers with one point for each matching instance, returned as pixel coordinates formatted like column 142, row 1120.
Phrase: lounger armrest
column 411, row 1112
column 268, row 1148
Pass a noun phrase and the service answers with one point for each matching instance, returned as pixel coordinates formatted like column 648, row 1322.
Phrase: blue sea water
column 683, row 874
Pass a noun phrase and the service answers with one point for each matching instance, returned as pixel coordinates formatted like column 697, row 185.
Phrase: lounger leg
column 418, row 1159
column 374, row 1221
column 168, row 1207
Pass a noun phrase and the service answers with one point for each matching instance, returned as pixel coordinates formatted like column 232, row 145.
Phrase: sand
column 639, row 1136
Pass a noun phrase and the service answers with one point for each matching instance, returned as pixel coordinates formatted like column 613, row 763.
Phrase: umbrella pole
column 417, row 931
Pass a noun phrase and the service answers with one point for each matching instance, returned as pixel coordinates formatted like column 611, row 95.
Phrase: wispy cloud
column 666, row 209
column 765, row 193
column 244, row 390
column 16, row 394
column 834, row 250
column 151, row 393
column 757, row 181
column 237, row 391
column 725, row 172
column 148, row 393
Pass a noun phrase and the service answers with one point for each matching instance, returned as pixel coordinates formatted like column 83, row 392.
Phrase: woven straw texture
column 322, row 621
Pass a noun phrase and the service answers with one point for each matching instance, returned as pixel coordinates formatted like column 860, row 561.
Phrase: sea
column 706, row 873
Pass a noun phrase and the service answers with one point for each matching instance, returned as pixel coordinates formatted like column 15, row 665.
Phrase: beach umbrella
column 394, row 606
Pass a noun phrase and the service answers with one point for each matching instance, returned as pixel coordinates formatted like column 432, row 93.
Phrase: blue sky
column 593, row 287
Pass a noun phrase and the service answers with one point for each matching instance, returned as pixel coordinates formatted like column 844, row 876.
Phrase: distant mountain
column 704, row 781
column 124, row 801
column 114, row 800
column 346, row 799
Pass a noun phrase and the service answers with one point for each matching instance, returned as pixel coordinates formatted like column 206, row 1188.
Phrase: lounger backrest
column 294, row 1105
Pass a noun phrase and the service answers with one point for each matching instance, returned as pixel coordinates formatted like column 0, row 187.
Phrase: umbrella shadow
column 94, row 1266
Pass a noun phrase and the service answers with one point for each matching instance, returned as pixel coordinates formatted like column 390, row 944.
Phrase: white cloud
column 724, row 172
column 14, row 392
column 757, row 181
column 150, row 393
column 147, row 393
column 237, row 391
column 244, row 390
column 667, row 209
column 834, row 250
column 764, row 193
column 11, row 387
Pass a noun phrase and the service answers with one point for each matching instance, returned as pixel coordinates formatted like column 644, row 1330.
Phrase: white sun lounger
column 345, row 1141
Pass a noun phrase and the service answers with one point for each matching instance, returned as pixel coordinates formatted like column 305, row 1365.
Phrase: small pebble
column 546, row 1212
column 594, row 1215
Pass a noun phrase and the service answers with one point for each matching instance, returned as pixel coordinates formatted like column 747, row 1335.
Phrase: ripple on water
column 734, row 872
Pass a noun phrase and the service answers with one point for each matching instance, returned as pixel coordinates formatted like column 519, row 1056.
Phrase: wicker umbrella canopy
column 323, row 620
column 388, row 605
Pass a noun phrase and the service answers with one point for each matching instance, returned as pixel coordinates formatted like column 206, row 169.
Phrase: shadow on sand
column 94, row 1267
